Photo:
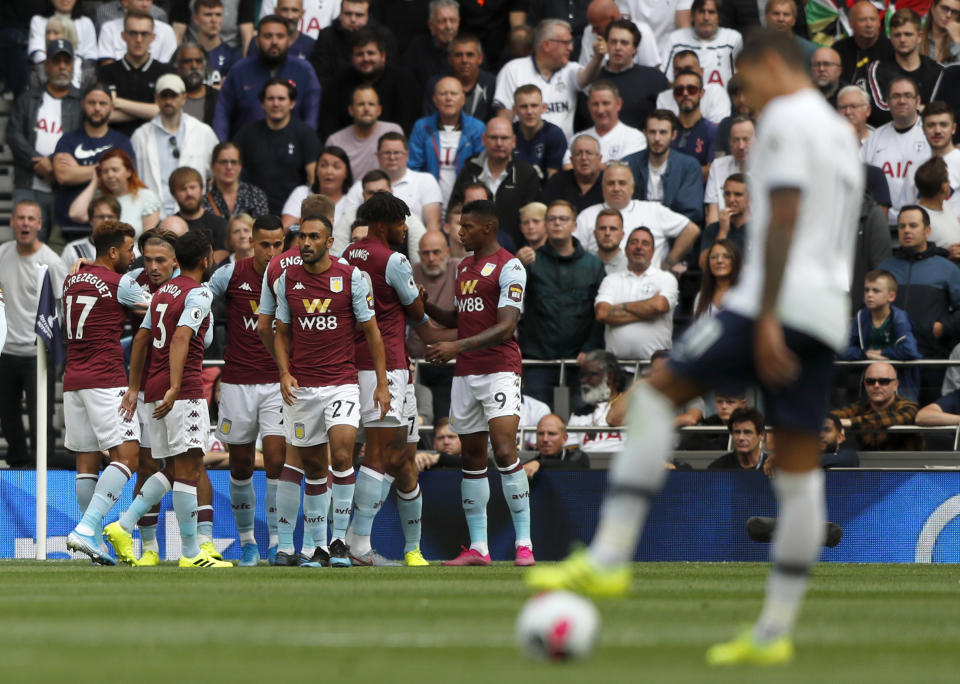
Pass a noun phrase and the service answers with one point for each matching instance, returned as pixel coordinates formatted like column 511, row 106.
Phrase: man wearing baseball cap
column 170, row 140
column 38, row 120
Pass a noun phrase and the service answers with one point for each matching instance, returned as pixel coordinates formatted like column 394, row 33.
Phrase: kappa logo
column 246, row 286
column 316, row 305
column 194, row 428
column 299, row 286
column 468, row 286
column 193, row 414
column 487, row 269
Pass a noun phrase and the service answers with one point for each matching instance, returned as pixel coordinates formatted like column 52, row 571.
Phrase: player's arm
column 381, row 395
column 265, row 314
column 446, row 318
column 179, row 348
column 138, row 356
column 361, row 300
column 507, row 319
column 221, row 279
column 281, row 342
column 132, row 296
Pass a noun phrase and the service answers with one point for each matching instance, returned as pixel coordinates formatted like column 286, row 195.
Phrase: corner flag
column 48, row 322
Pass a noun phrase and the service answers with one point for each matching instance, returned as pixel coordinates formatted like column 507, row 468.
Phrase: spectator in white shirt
column 716, row 46
column 617, row 139
column 715, row 102
column 854, row 105
column 112, row 46
column 637, row 304
column 602, row 13
column 741, row 138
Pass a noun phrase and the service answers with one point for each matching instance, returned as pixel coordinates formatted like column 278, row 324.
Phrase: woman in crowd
column 941, row 40
column 228, row 195
column 239, row 237
column 84, row 70
column 721, row 273
column 81, row 32
column 116, row 175
column 333, row 179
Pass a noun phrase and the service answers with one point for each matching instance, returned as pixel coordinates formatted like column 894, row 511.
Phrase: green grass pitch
column 71, row 622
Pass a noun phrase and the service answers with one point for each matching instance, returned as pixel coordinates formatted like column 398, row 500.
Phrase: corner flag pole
column 41, row 549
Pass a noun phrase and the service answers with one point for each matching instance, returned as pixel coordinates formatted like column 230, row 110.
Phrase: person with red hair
column 116, row 175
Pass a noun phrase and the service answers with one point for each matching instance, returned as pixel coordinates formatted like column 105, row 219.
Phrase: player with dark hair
column 781, row 327
column 319, row 303
column 485, row 396
column 250, row 402
column 398, row 301
column 95, row 301
column 178, row 423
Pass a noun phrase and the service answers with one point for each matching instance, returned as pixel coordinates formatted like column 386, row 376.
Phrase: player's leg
column 147, row 466
column 243, row 500
column 88, row 470
column 390, row 444
column 289, row 485
column 80, row 439
column 316, row 507
column 189, row 468
column 205, row 514
column 409, row 497
column 342, row 437
column 273, row 454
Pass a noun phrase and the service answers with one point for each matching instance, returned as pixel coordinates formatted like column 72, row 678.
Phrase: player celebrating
column 790, row 310
column 485, row 396
column 397, row 299
column 173, row 390
column 250, row 400
column 94, row 300
column 319, row 302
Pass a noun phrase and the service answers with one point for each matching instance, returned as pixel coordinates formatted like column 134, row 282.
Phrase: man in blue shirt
column 696, row 134
column 539, row 143
column 239, row 103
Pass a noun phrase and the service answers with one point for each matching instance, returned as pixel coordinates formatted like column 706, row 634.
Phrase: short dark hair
column 366, row 35
column 467, row 38
column 689, row 72
column 267, row 222
column 394, row 136
column 109, row 200
column 474, row 186
column 191, row 247
column 383, row 207
column 835, row 419
column 373, row 176
column 762, row 41
column 285, row 82
column 274, row 19
column 747, row 414
column 317, row 217
column 645, row 230
column 938, row 107
column 700, row 4
column 930, row 177
column 902, row 79
column 684, row 53
column 225, row 145
column 916, row 207
column 157, row 236
column 111, row 234
column 626, row 25
column 136, row 14
column 736, row 178
column 94, row 87
column 485, row 209
column 880, row 274
column 663, row 115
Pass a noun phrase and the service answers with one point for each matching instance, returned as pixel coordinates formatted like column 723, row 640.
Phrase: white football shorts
column 475, row 400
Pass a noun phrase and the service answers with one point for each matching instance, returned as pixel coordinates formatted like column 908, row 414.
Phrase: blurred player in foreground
column 781, row 327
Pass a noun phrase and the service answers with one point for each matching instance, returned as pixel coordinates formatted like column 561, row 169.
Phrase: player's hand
column 128, row 405
column 288, row 388
column 776, row 365
column 424, row 295
column 381, row 398
column 166, row 404
column 82, row 261
column 599, row 47
column 526, row 255
column 441, row 352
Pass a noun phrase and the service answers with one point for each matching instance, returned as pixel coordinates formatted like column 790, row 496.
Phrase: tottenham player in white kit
column 791, row 308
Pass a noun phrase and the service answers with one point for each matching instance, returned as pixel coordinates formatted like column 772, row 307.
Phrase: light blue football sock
column 475, row 494
column 366, row 503
column 152, row 492
column 316, row 504
column 410, row 510
column 343, row 486
column 288, row 507
column 105, row 496
column 148, row 533
column 516, row 490
column 205, row 524
column 85, row 485
column 270, row 504
column 243, row 500
column 185, row 506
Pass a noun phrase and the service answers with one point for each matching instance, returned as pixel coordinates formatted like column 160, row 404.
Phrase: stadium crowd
column 612, row 138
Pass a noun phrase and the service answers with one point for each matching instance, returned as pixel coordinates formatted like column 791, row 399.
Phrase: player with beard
column 319, row 303
column 398, row 301
column 174, row 327
column 250, row 401
column 96, row 299
column 485, row 396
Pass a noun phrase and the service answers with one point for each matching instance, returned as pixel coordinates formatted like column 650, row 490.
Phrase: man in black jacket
column 512, row 181
column 551, row 436
column 331, row 52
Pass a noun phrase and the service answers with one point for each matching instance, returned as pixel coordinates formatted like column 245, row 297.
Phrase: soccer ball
column 557, row 625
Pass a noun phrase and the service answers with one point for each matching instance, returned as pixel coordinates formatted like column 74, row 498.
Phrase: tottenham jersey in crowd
column 559, row 91
column 393, row 287
column 661, row 15
column 94, row 306
column 896, row 152
column 803, row 143
column 485, row 284
column 246, row 360
column 276, row 267
column 717, row 55
column 322, row 310
column 180, row 301
column 620, row 141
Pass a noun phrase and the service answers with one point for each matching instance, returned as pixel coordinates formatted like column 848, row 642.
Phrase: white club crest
column 487, row 269
column 336, row 284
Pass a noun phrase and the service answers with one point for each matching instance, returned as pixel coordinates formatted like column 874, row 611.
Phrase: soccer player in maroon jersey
column 485, row 396
column 95, row 301
column 397, row 301
column 250, row 401
column 319, row 304
column 175, row 325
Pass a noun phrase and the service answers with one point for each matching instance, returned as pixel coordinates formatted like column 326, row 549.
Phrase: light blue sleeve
column 129, row 292
column 513, row 282
column 208, row 335
column 147, row 321
column 195, row 309
column 268, row 303
column 399, row 275
column 362, row 297
column 135, row 273
column 281, row 307
column 221, row 279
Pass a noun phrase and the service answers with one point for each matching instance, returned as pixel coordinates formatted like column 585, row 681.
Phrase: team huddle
column 315, row 365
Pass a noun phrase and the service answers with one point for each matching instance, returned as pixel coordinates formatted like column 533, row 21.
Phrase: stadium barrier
column 887, row 516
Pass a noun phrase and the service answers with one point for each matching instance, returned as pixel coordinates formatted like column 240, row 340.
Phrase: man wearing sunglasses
column 883, row 408
column 170, row 140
